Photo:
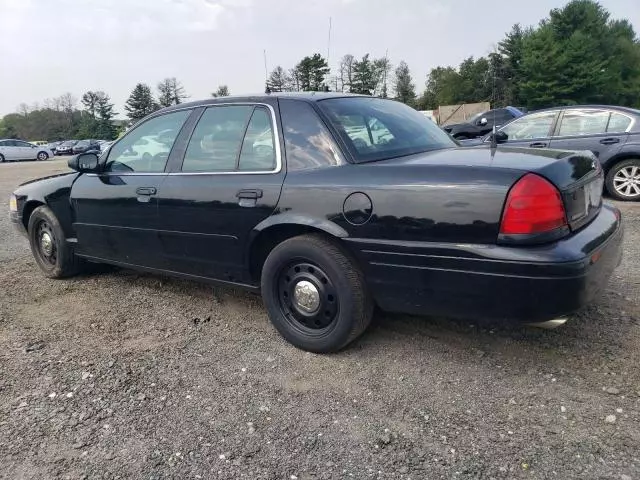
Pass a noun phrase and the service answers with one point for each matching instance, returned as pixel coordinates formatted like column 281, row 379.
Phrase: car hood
column 562, row 167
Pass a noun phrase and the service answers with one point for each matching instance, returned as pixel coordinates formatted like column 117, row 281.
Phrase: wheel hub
column 306, row 296
column 627, row 181
column 46, row 244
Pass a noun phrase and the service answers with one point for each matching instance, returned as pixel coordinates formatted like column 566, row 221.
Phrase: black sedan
column 299, row 197
column 482, row 123
column 66, row 148
column 611, row 133
column 86, row 146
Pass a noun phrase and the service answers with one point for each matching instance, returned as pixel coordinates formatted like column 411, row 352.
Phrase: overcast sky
column 48, row 47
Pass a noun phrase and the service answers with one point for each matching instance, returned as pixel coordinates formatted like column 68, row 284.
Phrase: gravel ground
column 126, row 375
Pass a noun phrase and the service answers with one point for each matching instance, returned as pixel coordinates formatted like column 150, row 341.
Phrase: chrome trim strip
column 276, row 139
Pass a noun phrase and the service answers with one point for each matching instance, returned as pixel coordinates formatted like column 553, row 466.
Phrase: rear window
column 376, row 129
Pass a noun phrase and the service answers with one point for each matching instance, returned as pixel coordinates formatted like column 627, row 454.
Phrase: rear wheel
column 49, row 246
column 1, row 158
column 623, row 180
column 42, row 156
column 315, row 294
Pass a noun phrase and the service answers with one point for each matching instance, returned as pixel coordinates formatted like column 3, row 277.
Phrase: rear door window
column 258, row 147
column 231, row 138
column 583, row 122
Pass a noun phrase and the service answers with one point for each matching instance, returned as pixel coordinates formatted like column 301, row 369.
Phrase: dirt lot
column 123, row 375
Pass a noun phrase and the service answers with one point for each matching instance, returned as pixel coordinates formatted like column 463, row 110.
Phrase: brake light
column 533, row 206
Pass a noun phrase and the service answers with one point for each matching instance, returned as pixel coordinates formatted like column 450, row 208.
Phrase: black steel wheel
column 315, row 294
column 50, row 249
column 46, row 249
column 308, row 298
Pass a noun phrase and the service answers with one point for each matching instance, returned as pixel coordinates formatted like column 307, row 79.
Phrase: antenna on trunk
column 494, row 130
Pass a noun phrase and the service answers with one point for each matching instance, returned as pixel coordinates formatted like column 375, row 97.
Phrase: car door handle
column 609, row 141
column 538, row 145
column 250, row 194
column 146, row 191
column 249, row 197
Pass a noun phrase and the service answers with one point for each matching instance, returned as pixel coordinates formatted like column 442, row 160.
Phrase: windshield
column 377, row 129
column 82, row 143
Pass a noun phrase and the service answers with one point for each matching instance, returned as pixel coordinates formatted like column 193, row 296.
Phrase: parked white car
column 14, row 150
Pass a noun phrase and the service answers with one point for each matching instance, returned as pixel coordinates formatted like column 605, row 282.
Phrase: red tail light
column 533, row 206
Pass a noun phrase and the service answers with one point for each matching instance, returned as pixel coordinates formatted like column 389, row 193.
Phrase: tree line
column 142, row 102
column 576, row 55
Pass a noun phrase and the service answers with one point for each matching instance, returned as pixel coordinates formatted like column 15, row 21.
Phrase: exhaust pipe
column 550, row 324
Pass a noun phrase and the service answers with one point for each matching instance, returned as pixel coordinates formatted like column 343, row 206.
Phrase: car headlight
column 13, row 203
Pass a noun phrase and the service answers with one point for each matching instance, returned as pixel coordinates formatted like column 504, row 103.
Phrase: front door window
column 146, row 149
column 536, row 125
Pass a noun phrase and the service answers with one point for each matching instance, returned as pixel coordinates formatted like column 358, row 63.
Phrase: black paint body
column 424, row 228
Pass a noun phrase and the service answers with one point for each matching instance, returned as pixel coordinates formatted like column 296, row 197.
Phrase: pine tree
column 405, row 88
column 223, row 91
column 106, row 130
column 89, row 100
column 363, row 77
column 170, row 92
column 310, row 73
column 140, row 103
column 279, row 81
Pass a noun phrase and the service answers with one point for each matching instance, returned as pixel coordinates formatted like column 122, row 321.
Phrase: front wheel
column 49, row 246
column 1, row 158
column 623, row 180
column 315, row 294
column 42, row 156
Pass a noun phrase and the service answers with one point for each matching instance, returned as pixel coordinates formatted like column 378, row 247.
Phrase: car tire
column 623, row 180
column 315, row 294
column 1, row 158
column 42, row 156
column 50, row 249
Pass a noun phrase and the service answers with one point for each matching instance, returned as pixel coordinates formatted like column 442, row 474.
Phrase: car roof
column 627, row 110
column 261, row 97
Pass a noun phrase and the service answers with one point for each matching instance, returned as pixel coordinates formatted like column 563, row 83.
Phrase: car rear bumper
column 490, row 282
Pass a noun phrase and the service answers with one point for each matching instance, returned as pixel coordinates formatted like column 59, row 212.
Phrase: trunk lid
column 576, row 174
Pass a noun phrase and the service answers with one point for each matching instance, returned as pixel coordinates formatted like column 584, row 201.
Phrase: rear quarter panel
column 408, row 203
column 630, row 149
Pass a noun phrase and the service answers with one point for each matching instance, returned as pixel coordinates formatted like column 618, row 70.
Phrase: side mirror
column 84, row 163
column 500, row 137
column 483, row 121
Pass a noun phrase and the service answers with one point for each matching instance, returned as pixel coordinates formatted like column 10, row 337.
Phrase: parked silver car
column 14, row 150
